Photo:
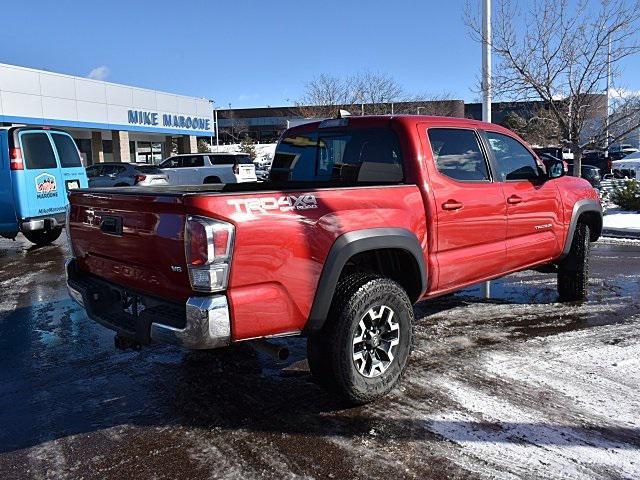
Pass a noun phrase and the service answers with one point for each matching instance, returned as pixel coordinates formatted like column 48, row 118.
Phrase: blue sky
column 250, row 53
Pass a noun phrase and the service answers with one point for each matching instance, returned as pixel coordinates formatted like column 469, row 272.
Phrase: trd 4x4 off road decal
column 286, row 203
column 46, row 186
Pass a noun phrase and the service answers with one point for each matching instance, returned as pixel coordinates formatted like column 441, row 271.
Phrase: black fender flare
column 345, row 247
column 580, row 207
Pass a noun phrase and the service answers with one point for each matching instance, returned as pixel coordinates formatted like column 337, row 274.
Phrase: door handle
column 451, row 205
column 514, row 199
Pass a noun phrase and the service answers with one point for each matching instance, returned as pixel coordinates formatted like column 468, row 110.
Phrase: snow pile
column 265, row 151
column 618, row 219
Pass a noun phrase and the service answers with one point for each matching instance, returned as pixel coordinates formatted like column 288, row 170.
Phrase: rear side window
column 190, row 162
column 222, row 159
column 230, row 159
column 513, row 159
column 457, row 154
column 37, row 151
column 349, row 156
column 67, row 151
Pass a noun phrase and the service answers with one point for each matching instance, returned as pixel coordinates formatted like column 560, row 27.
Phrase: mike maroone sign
column 141, row 117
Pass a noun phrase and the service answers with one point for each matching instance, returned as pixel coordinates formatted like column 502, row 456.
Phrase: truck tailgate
column 135, row 241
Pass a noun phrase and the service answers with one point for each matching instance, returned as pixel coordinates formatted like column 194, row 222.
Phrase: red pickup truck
column 361, row 218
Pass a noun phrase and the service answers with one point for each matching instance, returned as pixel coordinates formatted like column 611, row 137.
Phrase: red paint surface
column 278, row 256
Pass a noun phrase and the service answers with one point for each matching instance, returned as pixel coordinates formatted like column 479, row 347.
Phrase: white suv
column 199, row 168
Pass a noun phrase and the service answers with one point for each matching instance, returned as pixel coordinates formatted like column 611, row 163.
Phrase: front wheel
column 363, row 349
column 573, row 271
column 43, row 237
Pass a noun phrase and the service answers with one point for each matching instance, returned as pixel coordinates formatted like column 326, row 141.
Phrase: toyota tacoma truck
column 360, row 219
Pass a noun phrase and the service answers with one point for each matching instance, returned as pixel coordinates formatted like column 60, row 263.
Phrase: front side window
column 171, row 162
column 67, row 151
column 92, row 171
column 108, row 170
column 513, row 160
column 37, row 151
column 349, row 157
column 457, row 154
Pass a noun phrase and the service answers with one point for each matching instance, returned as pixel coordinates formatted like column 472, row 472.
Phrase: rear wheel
column 210, row 180
column 573, row 271
column 43, row 237
column 363, row 348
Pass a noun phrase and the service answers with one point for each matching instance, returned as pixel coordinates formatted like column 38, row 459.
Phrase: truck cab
column 38, row 167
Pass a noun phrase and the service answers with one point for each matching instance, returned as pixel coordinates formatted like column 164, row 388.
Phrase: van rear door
column 73, row 173
column 43, row 186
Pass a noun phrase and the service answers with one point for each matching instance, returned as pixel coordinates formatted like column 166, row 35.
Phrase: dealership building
column 110, row 122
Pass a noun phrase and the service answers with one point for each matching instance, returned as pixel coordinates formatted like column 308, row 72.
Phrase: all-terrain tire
column 331, row 351
column 573, row 270
column 43, row 237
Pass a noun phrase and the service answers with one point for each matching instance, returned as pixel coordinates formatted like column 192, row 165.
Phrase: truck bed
column 224, row 188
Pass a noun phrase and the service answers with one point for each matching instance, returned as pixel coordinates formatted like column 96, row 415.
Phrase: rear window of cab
column 349, row 156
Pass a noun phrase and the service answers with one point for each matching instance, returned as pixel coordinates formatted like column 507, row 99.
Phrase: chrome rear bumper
column 207, row 322
column 208, row 325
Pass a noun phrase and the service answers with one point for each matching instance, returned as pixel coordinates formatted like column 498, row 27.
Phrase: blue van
column 37, row 168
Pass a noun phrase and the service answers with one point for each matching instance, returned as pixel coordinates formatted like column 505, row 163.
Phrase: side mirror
column 555, row 168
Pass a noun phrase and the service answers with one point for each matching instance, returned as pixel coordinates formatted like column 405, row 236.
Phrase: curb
column 621, row 233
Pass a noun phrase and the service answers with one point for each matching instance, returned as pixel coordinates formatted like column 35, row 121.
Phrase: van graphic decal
column 46, row 186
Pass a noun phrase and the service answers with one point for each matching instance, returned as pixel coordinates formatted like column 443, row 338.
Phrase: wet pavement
column 516, row 386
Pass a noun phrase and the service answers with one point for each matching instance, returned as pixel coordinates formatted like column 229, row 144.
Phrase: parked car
column 207, row 168
column 628, row 168
column 361, row 218
column 262, row 173
column 563, row 153
column 37, row 168
column 590, row 173
column 122, row 174
column 618, row 152
column 597, row 159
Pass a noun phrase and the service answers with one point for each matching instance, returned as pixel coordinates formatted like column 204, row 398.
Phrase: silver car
column 120, row 174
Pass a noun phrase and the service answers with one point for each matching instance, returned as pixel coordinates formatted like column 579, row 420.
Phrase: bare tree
column 237, row 128
column 557, row 51
column 363, row 93
column 324, row 95
column 375, row 92
column 367, row 93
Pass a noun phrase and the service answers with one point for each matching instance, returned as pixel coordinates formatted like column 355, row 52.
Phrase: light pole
column 486, row 85
column 486, row 61
column 606, row 118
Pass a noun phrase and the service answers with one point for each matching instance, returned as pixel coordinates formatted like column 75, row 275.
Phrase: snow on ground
column 622, row 220
column 589, row 381
column 265, row 151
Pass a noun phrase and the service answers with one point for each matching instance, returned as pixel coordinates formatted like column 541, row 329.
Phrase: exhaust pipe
column 277, row 352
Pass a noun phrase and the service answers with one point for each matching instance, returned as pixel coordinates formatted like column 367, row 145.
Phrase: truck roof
column 240, row 154
column 407, row 120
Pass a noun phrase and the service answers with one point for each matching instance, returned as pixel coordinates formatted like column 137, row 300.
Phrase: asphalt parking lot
column 516, row 386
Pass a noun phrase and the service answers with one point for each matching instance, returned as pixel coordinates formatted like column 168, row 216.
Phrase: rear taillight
column 208, row 245
column 140, row 178
column 236, row 168
column 15, row 158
